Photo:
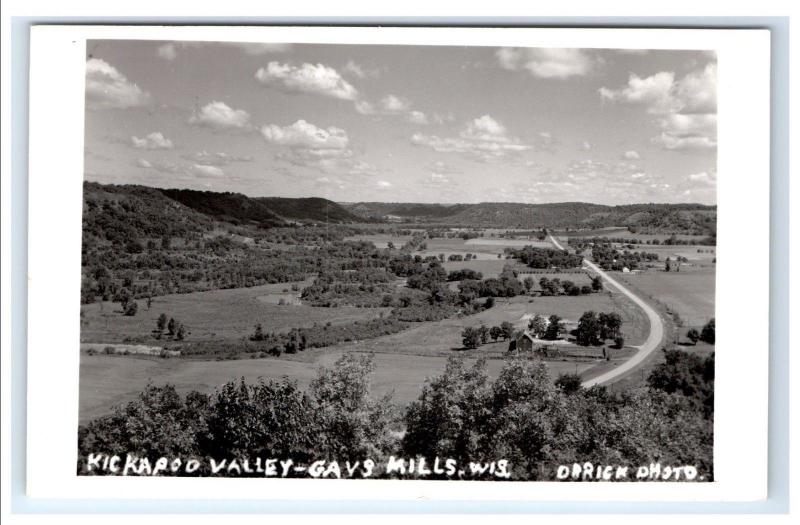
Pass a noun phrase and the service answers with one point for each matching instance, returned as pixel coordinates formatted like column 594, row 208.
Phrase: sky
column 404, row 123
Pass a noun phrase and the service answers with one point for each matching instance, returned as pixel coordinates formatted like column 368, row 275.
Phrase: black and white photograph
column 398, row 262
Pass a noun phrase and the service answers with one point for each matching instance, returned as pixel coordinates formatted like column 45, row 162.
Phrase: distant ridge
column 150, row 210
column 673, row 218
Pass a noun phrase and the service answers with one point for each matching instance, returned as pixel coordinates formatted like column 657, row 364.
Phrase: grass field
column 403, row 360
column 488, row 267
column 689, row 293
column 213, row 315
column 106, row 381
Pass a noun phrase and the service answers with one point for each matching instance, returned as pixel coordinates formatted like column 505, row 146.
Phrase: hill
column 309, row 209
column 119, row 214
column 664, row 218
column 229, row 207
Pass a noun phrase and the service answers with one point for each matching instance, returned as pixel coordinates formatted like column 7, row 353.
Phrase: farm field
column 213, row 315
column 403, row 360
column 488, row 267
column 443, row 338
column 106, row 381
column 688, row 293
column 620, row 232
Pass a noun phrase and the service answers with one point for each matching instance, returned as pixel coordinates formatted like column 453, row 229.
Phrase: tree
column 619, row 341
column 471, row 337
column 161, row 323
column 588, row 331
column 610, row 325
column 528, row 283
column 554, row 328
column 693, row 335
column 495, row 332
column 131, row 308
column 489, row 303
column 537, row 326
column 507, row 329
column 484, row 331
column 124, row 296
column 597, row 283
column 708, row 333
column 181, row 332
column 258, row 334
column 171, row 325
column 569, row 383
column 667, row 265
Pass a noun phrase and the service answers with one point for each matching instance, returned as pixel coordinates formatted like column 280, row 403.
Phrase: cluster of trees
column 545, row 257
column 464, row 274
column 609, row 258
column 631, row 242
column 594, row 329
column 457, row 257
column 556, row 286
column 336, row 288
column 707, row 334
column 472, row 337
column 523, row 416
column 317, row 336
column 549, row 328
column 175, row 329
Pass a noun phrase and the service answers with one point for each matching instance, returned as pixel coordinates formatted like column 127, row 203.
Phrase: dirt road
column 645, row 349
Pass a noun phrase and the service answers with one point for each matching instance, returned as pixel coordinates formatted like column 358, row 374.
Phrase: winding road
column 645, row 349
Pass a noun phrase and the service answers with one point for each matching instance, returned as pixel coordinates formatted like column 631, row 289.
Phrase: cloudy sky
column 404, row 123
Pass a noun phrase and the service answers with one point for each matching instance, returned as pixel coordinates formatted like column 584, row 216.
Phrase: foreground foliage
column 522, row 416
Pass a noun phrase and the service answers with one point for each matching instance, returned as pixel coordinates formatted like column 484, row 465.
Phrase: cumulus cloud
column 365, row 108
column 323, row 149
column 483, row 139
column 107, row 88
column 180, row 170
column 204, row 170
column 167, row 52
column 686, row 107
column 155, row 140
column 305, row 135
column 631, row 155
column 703, row 177
column 688, row 131
column 547, row 62
column 384, row 184
column 216, row 159
column 218, row 115
column 393, row 105
column 161, row 166
column 417, row 117
column 655, row 91
column 317, row 79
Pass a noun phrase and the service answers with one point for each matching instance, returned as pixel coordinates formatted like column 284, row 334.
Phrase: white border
column 56, row 174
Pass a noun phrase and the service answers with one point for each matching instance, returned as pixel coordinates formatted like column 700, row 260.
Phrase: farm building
column 525, row 341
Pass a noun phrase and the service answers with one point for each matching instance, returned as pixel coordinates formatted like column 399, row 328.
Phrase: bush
column 131, row 308
column 619, row 341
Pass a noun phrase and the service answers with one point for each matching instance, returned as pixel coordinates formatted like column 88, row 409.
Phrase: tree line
column 523, row 415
